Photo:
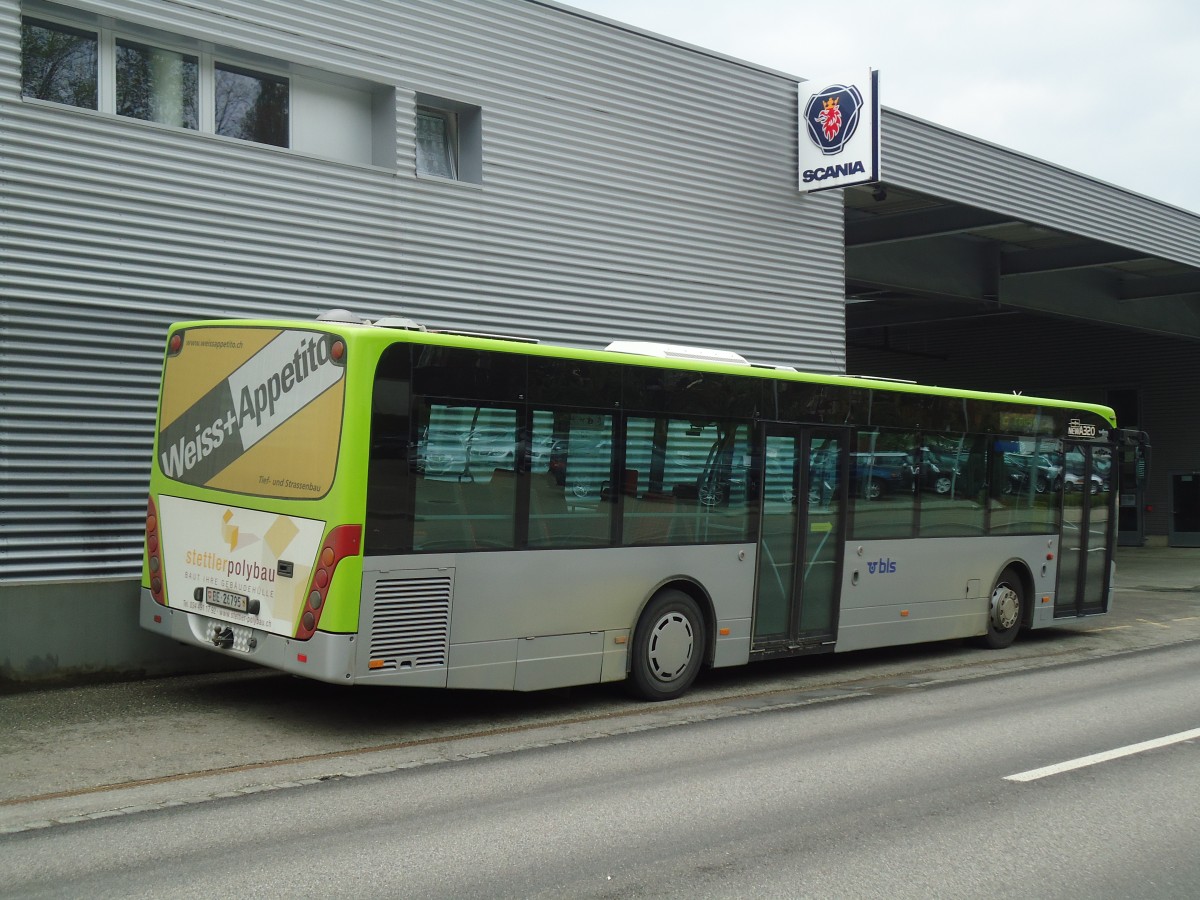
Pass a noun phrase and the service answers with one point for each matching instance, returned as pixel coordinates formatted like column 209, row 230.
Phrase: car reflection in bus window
column 1027, row 478
column 882, row 483
column 952, row 475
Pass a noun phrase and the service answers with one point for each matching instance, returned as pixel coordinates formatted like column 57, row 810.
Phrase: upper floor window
column 157, row 85
column 58, row 63
column 96, row 69
column 449, row 139
column 251, row 106
column 80, row 59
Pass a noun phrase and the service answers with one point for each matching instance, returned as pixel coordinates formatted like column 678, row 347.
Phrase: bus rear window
column 252, row 410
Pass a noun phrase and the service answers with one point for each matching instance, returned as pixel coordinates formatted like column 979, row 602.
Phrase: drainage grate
column 410, row 624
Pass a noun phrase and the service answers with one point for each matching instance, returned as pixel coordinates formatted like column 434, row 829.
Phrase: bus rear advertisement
column 377, row 503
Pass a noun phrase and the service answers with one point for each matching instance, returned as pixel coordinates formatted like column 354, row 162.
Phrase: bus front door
column 801, row 536
column 1088, row 530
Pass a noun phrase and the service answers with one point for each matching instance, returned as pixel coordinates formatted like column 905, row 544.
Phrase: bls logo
column 883, row 567
column 832, row 117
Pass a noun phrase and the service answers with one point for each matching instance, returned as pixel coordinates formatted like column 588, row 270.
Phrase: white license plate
column 226, row 599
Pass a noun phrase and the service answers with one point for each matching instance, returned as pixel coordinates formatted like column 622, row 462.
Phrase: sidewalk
column 1157, row 567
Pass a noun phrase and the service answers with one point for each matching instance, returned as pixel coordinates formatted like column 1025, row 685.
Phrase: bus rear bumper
column 326, row 657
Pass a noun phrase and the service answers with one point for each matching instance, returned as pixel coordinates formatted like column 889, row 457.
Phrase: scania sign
column 839, row 141
column 832, row 117
column 837, row 171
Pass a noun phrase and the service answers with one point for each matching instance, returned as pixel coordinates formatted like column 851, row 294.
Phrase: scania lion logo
column 831, row 117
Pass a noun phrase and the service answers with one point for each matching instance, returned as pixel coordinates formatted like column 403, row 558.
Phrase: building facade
column 510, row 166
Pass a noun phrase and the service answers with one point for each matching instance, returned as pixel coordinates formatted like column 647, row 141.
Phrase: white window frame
column 106, row 73
column 370, row 105
column 465, row 124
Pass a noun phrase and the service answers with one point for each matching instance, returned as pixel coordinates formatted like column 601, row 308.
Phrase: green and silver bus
column 377, row 503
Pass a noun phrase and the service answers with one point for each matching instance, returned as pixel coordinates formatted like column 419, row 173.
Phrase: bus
column 379, row 503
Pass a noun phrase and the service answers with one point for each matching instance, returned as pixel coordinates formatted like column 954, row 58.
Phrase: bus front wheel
column 1005, row 610
column 668, row 647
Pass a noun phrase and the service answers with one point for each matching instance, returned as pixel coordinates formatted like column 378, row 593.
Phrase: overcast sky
column 1109, row 88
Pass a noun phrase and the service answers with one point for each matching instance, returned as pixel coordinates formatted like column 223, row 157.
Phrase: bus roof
column 402, row 330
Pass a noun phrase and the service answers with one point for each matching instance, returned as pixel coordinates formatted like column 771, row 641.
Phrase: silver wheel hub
column 671, row 646
column 1006, row 607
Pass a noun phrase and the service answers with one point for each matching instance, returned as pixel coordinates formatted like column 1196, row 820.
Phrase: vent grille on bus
column 410, row 628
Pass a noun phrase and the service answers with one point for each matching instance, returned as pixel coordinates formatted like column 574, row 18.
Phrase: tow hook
column 223, row 637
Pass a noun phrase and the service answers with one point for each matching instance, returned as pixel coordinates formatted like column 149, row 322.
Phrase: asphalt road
column 900, row 790
column 71, row 754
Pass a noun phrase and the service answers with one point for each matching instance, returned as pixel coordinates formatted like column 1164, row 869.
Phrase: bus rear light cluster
column 154, row 553
column 342, row 541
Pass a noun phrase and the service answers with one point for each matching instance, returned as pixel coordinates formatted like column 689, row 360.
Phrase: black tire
column 668, row 647
column 1006, row 608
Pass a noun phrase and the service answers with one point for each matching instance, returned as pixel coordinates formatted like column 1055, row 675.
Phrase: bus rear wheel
column 668, row 647
column 1005, row 610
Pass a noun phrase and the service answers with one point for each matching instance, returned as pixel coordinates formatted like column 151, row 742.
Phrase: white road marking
column 1045, row 771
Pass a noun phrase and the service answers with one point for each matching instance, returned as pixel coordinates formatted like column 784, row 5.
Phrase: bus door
column 801, row 536
column 1088, row 535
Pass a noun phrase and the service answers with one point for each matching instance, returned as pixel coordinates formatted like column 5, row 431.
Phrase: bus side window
column 466, row 478
column 951, row 476
column 389, row 485
column 570, row 461
column 883, row 473
column 1026, row 485
column 689, row 482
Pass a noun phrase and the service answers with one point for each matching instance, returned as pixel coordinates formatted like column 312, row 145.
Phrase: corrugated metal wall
column 631, row 188
column 953, row 166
